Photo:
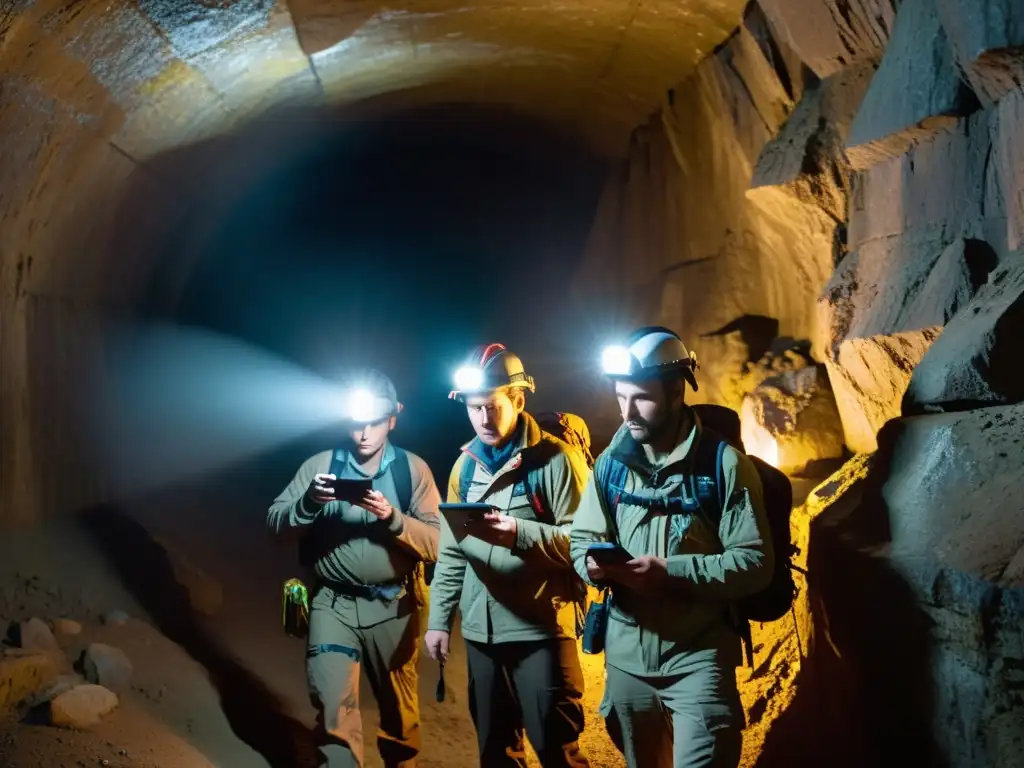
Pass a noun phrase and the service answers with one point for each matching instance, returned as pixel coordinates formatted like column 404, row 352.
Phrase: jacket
column 710, row 563
column 525, row 593
column 354, row 547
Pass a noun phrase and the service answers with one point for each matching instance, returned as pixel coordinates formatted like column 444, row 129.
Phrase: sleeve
column 291, row 510
column 418, row 530
column 446, row 587
column 747, row 559
column 563, row 480
column 589, row 525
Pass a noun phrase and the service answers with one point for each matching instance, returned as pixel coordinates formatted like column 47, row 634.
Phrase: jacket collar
column 530, row 438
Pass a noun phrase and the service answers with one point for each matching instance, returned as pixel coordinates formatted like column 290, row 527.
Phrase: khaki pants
column 693, row 719
column 388, row 653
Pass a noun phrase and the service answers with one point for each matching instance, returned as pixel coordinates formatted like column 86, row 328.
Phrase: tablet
column 607, row 553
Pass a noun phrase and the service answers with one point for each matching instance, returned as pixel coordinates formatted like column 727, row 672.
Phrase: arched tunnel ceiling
column 176, row 70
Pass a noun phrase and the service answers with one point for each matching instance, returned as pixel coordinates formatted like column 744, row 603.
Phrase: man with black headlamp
column 367, row 517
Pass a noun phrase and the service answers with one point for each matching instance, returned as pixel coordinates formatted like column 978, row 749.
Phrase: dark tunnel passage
column 399, row 243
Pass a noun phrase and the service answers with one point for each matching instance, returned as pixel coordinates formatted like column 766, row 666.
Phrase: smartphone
column 351, row 490
column 607, row 553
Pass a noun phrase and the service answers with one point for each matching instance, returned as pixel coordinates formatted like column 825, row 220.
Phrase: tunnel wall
column 857, row 174
column 88, row 93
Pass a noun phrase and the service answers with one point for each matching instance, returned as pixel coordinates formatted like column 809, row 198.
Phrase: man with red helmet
column 509, row 572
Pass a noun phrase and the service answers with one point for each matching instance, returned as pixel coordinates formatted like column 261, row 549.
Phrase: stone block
column 869, row 377
column 1009, row 162
column 953, row 490
column 988, row 40
column 916, row 92
column 830, row 35
column 976, row 361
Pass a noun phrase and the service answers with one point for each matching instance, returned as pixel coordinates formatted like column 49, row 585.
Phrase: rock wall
column 865, row 156
column 681, row 240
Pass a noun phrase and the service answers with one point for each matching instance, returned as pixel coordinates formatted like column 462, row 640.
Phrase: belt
column 387, row 593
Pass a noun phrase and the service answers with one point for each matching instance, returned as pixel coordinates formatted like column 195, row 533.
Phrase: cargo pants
column 692, row 719
column 388, row 653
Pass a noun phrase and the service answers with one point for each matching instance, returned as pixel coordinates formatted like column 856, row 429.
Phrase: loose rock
column 82, row 707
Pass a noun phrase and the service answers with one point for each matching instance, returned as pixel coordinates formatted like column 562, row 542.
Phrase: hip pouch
column 596, row 625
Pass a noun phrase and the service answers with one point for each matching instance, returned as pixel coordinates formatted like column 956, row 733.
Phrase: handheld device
column 458, row 515
column 475, row 509
column 351, row 490
column 607, row 553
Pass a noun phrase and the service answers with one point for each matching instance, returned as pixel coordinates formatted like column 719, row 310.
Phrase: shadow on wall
column 255, row 714
column 864, row 693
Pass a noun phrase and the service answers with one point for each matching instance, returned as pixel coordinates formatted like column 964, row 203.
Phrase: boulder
column 829, row 35
column 66, row 627
column 869, row 378
column 35, row 635
column 82, row 707
column 988, row 41
column 116, row 618
column 952, row 491
column 107, row 665
column 916, row 92
column 22, row 673
column 976, row 360
column 790, row 420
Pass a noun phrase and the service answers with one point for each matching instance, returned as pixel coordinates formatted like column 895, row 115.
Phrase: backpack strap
column 466, row 472
column 338, row 461
column 401, row 474
column 707, row 479
column 610, row 477
column 532, row 485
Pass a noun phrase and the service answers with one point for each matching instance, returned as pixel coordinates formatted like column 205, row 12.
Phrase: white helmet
column 651, row 352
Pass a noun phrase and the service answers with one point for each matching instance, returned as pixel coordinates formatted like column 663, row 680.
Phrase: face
column 369, row 439
column 494, row 415
column 647, row 407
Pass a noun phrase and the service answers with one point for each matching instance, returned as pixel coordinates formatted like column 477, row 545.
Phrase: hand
column 641, row 574
column 377, row 504
column 321, row 490
column 494, row 528
column 437, row 641
column 594, row 571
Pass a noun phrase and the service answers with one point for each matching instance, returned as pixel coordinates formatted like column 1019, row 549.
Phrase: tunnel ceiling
column 151, row 74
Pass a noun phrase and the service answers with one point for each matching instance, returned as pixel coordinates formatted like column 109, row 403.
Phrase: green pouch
column 295, row 608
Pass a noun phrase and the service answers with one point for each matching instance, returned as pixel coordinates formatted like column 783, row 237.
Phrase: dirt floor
column 226, row 692
column 229, row 691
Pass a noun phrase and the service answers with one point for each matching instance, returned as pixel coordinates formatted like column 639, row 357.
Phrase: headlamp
column 363, row 407
column 616, row 361
column 469, row 379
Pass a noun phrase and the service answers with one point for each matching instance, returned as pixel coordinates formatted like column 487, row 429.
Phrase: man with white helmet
column 367, row 517
column 673, row 566
column 509, row 572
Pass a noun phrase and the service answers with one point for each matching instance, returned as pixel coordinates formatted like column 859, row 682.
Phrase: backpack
column 572, row 430
column 313, row 546
column 707, row 484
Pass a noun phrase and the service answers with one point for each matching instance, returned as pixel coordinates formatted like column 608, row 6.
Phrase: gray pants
column 689, row 720
column 387, row 652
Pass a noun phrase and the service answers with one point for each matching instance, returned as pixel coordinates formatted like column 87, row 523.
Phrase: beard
column 644, row 431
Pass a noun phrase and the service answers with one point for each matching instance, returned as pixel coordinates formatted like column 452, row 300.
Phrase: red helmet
column 488, row 368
